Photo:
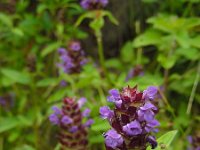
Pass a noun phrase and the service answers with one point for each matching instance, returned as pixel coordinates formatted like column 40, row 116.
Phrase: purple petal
column 106, row 113
column 113, row 139
column 89, row 123
column 86, row 112
column 54, row 119
column 81, row 102
column 66, row 120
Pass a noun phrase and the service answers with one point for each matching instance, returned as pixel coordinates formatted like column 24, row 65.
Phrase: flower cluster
column 132, row 120
column 72, row 59
column 93, row 4
column 73, row 131
column 134, row 72
column 194, row 142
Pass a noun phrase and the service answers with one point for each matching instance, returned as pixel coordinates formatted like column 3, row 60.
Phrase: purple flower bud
column 66, row 120
column 57, row 111
column 152, row 141
column 113, row 139
column 86, row 112
column 132, row 128
column 73, row 129
column 115, row 97
column 81, row 102
column 54, row 119
column 93, row 4
column 89, row 123
column 150, row 93
column 106, row 113
column 75, row 46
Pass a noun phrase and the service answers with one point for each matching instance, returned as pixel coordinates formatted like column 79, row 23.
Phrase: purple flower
column 152, row 141
column 115, row 97
column 133, row 117
column 75, row 46
column 73, row 129
column 150, row 125
column 62, row 51
column 89, row 123
column 150, row 92
column 146, row 112
column 86, row 112
column 81, row 102
column 113, row 139
column 93, row 4
column 66, row 120
column 54, row 119
column 57, row 111
column 106, row 113
column 132, row 128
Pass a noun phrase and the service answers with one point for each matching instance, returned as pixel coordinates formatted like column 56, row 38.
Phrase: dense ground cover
column 99, row 74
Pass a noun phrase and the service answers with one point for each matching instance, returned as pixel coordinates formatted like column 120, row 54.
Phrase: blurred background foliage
column 162, row 37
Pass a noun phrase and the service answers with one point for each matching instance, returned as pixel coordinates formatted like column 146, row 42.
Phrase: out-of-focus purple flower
column 63, row 83
column 73, row 129
column 150, row 92
column 57, row 111
column 66, row 120
column 152, row 141
column 132, row 128
column 93, row 4
column 89, row 123
column 146, row 112
column 62, row 51
column 113, row 139
column 106, row 113
column 194, row 142
column 71, row 59
column 75, row 46
column 86, row 112
column 134, row 72
column 81, row 101
column 54, row 119
column 2, row 101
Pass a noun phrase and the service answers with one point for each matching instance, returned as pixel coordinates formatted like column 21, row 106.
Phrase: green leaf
column 150, row 37
column 100, row 126
column 47, row 82
column 16, row 76
column 127, row 53
column 6, row 20
column 195, row 41
column 50, row 48
column 89, row 14
column 111, row 17
column 8, row 123
column 189, row 53
column 167, row 62
column 165, row 140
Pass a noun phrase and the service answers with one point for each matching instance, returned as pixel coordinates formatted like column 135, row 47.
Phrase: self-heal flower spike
column 93, row 4
column 132, row 120
column 69, row 119
column 71, row 59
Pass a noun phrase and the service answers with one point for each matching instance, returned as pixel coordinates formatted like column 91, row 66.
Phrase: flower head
column 132, row 119
column 69, row 119
column 93, row 4
column 71, row 59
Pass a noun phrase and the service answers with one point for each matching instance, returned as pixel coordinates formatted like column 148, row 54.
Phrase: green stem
column 191, row 99
column 101, row 54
